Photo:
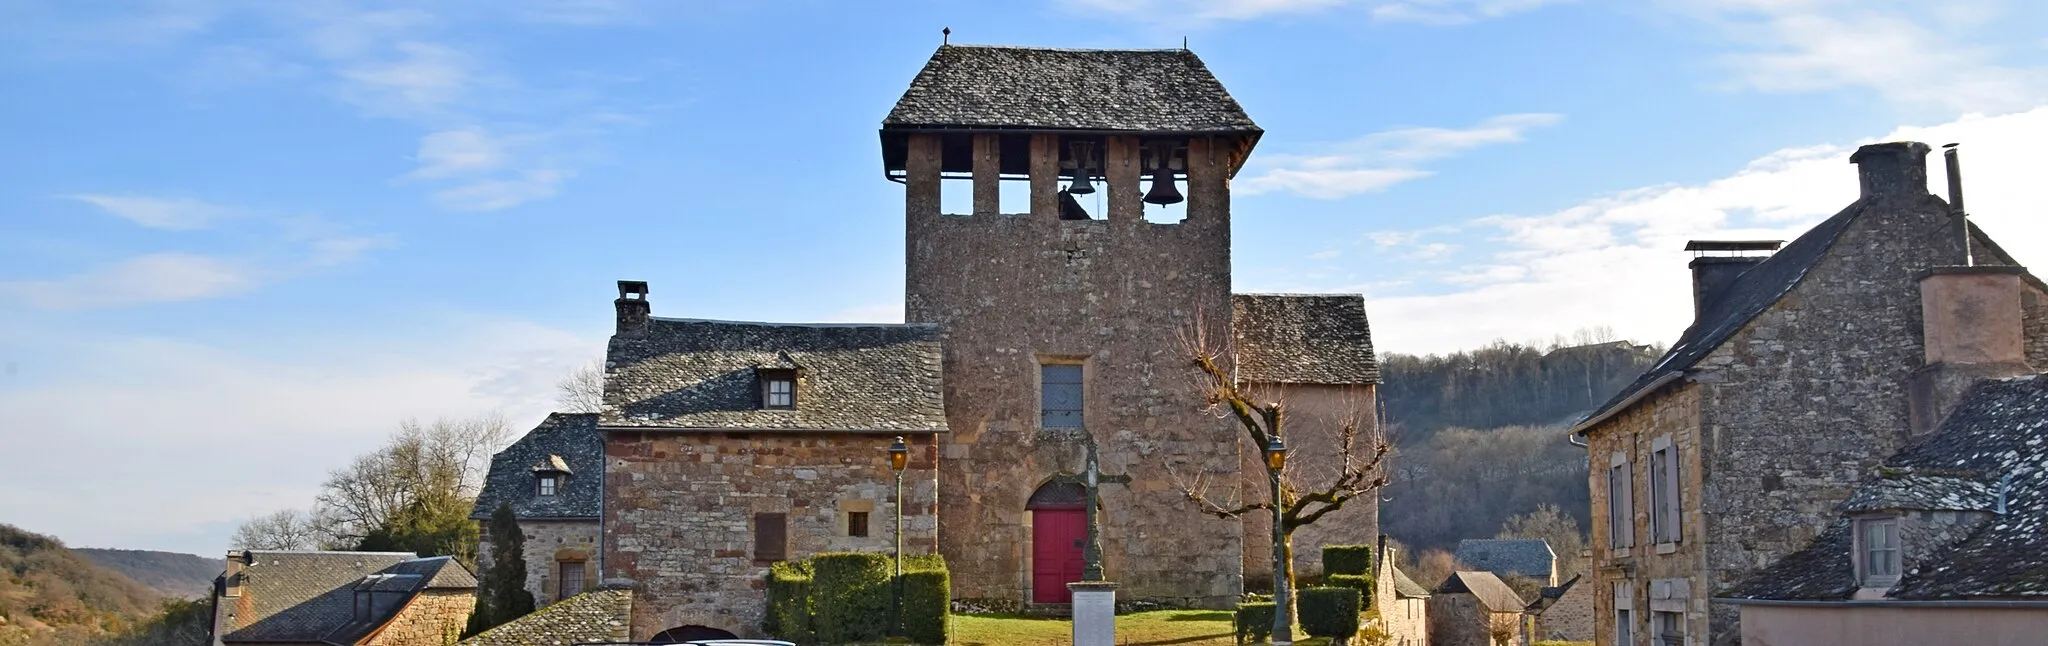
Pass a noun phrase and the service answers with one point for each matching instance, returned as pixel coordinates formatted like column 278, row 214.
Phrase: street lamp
column 899, row 457
column 1276, row 459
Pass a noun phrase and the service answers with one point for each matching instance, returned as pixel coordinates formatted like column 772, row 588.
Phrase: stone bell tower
column 1064, row 327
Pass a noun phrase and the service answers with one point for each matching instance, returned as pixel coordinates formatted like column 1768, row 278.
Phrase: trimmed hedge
column 1254, row 621
column 850, row 596
column 927, row 604
column 1329, row 612
column 1347, row 559
column 789, row 602
column 1363, row 583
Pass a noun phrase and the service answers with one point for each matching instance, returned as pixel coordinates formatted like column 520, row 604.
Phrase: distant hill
column 173, row 574
column 52, row 595
column 1506, row 384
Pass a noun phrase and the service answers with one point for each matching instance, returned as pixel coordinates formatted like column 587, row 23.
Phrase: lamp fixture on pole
column 899, row 457
column 1283, row 581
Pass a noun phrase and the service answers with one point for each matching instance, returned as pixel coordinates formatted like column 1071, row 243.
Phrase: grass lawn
column 1158, row 628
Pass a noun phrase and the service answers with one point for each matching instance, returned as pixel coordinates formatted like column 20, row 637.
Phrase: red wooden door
column 1056, row 539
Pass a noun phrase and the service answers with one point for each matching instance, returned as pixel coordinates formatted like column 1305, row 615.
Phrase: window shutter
column 1673, row 532
column 1627, row 478
column 771, row 537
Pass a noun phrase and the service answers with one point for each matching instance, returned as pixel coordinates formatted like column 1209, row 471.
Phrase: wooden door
column 1057, row 536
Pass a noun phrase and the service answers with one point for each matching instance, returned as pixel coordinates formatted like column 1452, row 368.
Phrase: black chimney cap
column 633, row 287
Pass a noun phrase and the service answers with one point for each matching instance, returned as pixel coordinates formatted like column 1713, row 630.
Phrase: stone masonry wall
column 1316, row 417
column 1570, row 618
column 1405, row 620
column 1458, row 620
column 434, row 618
column 548, row 543
column 680, row 508
column 1010, row 292
column 1672, row 413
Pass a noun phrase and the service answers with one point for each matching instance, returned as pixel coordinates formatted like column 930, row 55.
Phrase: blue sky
column 240, row 240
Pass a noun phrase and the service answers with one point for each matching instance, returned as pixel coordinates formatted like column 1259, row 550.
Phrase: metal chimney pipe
column 1955, row 202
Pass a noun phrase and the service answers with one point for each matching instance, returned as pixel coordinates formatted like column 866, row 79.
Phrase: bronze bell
column 1163, row 191
column 1081, row 184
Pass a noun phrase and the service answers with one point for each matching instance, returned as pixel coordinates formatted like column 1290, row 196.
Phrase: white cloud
column 160, row 212
column 1454, row 12
column 152, row 278
column 495, row 194
column 458, row 152
column 211, row 435
column 1913, row 53
column 1618, row 260
column 424, row 80
column 1376, row 161
column 1436, row 12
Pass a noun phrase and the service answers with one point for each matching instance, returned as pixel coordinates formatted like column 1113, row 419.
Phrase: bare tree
column 582, row 391
column 1311, row 486
column 1555, row 527
column 438, row 465
column 284, row 529
column 1502, row 626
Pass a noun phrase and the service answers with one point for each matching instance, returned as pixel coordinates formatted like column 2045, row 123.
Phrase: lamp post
column 899, row 457
column 1283, row 582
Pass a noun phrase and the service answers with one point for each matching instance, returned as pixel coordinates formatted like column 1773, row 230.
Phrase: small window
column 857, row 523
column 778, row 389
column 771, row 537
column 548, row 484
column 1060, row 395
column 1668, row 628
column 1879, row 538
column 570, row 580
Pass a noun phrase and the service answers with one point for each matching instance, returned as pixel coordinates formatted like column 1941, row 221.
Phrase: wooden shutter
column 1621, row 512
column 1673, row 532
column 771, row 537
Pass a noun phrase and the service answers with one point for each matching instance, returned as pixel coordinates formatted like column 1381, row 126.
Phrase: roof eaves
column 1640, row 394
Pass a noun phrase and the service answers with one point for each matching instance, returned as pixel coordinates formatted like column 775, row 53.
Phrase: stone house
column 1802, row 370
column 603, row 615
column 553, row 477
column 1529, row 558
column 1469, row 605
column 1401, row 603
column 1563, row 612
column 1943, row 543
column 1032, row 340
column 272, row 598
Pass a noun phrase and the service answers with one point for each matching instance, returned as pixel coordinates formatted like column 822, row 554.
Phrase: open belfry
column 1031, row 340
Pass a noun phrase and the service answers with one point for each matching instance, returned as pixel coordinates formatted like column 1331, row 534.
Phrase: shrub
column 1363, row 583
column 1347, row 559
column 850, row 597
column 789, row 602
column 1254, row 621
column 927, row 601
column 1329, row 612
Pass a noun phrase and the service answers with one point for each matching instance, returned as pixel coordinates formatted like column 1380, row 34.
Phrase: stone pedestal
column 1094, row 613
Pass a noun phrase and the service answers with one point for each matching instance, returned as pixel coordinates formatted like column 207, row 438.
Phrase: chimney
column 1970, row 321
column 231, row 580
column 632, row 304
column 1711, row 274
column 1892, row 170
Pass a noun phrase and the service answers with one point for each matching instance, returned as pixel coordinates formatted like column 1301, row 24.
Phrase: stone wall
column 1570, row 617
column 1460, row 620
column 548, row 543
column 433, row 618
column 680, row 510
column 1672, row 413
column 1316, row 417
column 1406, row 620
column 1010, row 292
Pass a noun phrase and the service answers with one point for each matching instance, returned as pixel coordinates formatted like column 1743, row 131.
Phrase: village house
column 1469, row 607
column 1803, row 370
column 1562, row 613
column 603, row 615
column 1529, row 558
column 274, row 598
column 553, row 478
column 1032, row 340
column 1400, row 604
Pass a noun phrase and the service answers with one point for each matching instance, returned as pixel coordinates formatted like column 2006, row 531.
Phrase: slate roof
column 1998, row 430
column 1303, row 339
column 310, row 596
column 1495, row 595
column 572, row 439
column 599, row 616
column 1141, row 90
column 1549, row 595
column 1405, row 587
column 701, row 375
column 1527, row 557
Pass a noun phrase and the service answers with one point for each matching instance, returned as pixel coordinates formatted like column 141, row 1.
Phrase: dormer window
column 550, row 472
column 548, row 484
column 778, row 389
column 1878, row 551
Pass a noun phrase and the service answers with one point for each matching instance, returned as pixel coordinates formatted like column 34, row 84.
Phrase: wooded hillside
column 52, row 595
column 1480, row 435
column 184, row 576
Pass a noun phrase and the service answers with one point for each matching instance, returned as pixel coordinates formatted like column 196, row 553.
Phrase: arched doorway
column 1059, row 531
column 682, row 634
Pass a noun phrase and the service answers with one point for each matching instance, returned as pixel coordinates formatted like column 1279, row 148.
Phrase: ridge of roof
column 665, row 319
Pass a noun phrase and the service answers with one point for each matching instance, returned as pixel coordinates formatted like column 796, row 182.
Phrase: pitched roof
column 603, row 615
column 1495, row 595
column 1549, row 595
column 1524, row 556
column 572, row 439
column 1407, row 588
column 692, row 374
column 1142, row 90
column 1999, row 430
column 310, row 596
column 1303, row 339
